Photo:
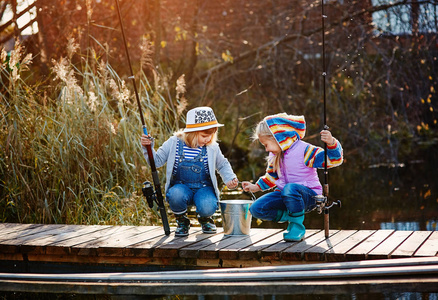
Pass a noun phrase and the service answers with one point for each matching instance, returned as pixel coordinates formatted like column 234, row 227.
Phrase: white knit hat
column 201, row 118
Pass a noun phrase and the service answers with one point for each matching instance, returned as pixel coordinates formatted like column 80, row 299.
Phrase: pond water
column 376, row 296
column 401, row 196
column 370, row 296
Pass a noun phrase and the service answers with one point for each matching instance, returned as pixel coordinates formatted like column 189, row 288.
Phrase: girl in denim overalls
column 193, row 156
column 291, row 172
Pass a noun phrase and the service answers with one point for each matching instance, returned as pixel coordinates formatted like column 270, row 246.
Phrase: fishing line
column 322, row 201
column 324, row 75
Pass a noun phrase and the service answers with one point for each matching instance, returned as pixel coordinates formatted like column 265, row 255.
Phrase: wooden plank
column 92, row 233
column 337, row 253
column 90, row 247
column 274, row 252
column 63, row 233
column 361, row 251
column 11, row 256
column 139, row 289
column 111, row 249
column 430, row 246
column 75, row 261
column 28, row 230
column 138, row 241
column 240, row 263
column 171, row 249
column 254, row 251
column 317, row 252
column 13, row 245
column 146, row 248
column 411, row 244
column 384, row 249
column 192, row 251
column 212, row 250
column 375, row 268
column 231, row 251
column 6, row 228
column 345, row 275
column 296, row 252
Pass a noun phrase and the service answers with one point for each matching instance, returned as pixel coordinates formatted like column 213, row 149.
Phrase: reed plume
column 70, row 150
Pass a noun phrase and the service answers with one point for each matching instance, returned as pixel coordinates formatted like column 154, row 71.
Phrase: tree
column 252, row 58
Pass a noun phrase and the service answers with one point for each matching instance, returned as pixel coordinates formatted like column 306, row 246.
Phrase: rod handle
column 164, row 220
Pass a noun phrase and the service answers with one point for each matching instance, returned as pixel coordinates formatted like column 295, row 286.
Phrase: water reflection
column 353, row 296
column 402, row 198
column 430, row 225
column 400, row 225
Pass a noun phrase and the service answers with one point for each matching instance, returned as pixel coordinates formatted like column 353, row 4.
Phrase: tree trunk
column 157, row 29
column 39, row 4
column 415, row 13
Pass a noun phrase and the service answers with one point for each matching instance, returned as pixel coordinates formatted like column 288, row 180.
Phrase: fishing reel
column 322, row 203
column 149, row 193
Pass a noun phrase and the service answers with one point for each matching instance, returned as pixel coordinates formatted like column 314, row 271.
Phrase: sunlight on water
column 431, row 225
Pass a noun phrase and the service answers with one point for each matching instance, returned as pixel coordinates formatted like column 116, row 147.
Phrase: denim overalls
column 191, row 185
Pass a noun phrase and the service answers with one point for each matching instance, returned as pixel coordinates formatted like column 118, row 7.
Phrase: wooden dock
column 37, row 248
column 404, row 275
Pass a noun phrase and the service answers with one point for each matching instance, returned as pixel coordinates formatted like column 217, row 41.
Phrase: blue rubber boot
column 295, row 230
column 282, row 216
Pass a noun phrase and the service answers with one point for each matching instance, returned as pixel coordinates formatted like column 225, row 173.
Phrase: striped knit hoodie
column 300, row 159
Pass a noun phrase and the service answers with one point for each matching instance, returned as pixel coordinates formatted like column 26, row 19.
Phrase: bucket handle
column 253, row 198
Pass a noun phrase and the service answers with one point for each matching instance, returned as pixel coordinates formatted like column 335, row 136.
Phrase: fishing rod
column 322, row 201
column 148, row 189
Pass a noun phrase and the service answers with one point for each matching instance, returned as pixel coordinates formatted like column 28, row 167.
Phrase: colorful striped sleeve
column 314, row 156
column 268, row 180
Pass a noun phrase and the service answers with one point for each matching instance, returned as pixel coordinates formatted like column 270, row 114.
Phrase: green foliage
column 75, row 157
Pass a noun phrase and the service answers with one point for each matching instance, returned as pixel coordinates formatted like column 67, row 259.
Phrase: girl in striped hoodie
column 291, row 171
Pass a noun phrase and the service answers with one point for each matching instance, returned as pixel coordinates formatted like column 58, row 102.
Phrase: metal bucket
column 236, row 218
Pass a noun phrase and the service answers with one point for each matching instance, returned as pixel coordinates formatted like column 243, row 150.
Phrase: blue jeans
column 293, row 198
column 180, row 196
column 191, row 185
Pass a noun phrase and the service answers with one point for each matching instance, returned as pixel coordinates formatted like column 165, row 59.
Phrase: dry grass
column 70, row 148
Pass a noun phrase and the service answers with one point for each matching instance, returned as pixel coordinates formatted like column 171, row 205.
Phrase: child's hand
column 249, row 187
column 146, row 140
column 232, row 184
column 326, row 137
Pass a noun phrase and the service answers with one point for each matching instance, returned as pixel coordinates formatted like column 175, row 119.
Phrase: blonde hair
column 191, row 138
column 262, row 130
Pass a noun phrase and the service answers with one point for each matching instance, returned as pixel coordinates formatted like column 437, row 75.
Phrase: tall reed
column 70, row 146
